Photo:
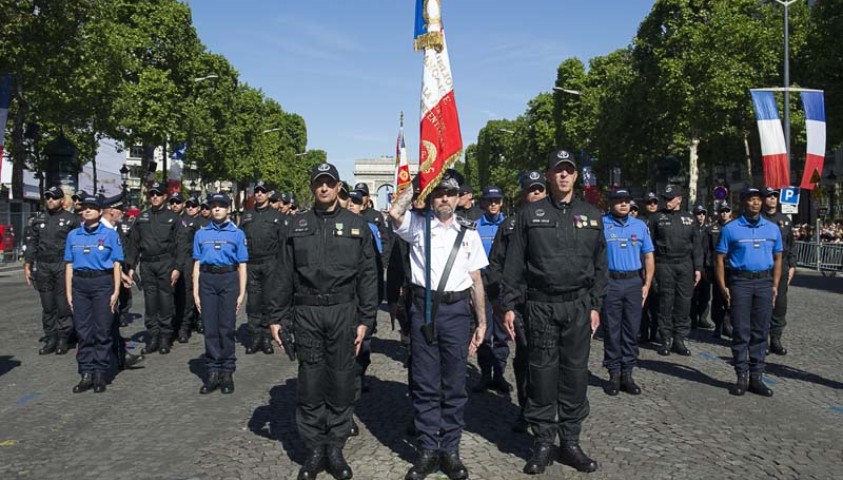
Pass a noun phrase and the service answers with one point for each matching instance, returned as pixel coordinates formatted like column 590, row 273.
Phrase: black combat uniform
column 719, row 309
column 154, row 245
column 779, row 320
column 678, row 256
column 45, row 253
column 328, row 274
column 702, row 291
column 187, row 232
column 264, row 229
column 558, row 252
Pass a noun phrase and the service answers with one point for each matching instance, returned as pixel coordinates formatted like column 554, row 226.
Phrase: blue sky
column 349, row 69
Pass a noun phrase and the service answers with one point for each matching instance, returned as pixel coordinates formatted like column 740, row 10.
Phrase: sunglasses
column 175, row 202
column 155, row 194
column 274, row 201
column 261, row 191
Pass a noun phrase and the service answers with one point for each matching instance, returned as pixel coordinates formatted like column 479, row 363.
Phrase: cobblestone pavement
column 153, row 424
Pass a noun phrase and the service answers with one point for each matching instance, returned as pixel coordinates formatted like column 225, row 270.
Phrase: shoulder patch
column 466, row 223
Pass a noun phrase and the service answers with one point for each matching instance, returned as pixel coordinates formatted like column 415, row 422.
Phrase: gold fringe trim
column 445, row 166
column 430, row 40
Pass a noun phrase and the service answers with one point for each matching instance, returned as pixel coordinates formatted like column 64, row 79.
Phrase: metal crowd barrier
column 826, row 258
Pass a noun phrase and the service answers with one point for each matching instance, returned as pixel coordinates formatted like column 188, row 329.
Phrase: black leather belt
column 537, row 296
column 447, row 298
column 752, row 275
column 618, row 275
column 217, row 268
column 92, row 273
column 155, row 258
column 323, row 299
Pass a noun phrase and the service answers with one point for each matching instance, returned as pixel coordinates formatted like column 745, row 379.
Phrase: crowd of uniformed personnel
column 547, row 278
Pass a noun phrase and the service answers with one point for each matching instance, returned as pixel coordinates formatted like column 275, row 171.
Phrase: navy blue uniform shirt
column 93, row 249
column 220, row 245
column 750, row 245
column 627, row 239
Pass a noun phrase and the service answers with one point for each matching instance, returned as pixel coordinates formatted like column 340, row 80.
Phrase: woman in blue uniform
column 219, row 287
column 93, row 254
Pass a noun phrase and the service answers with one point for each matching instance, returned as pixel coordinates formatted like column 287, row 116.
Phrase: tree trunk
column 693, row 171
column 18, row 151
column 748, row 158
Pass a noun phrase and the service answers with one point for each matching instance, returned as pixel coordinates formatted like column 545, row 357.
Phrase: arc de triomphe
column 376, row 173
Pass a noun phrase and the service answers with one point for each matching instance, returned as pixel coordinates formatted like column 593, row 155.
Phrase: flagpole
column 427, row 252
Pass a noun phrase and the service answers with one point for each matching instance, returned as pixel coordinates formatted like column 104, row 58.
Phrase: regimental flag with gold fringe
column 402, row 164
column 440, row 139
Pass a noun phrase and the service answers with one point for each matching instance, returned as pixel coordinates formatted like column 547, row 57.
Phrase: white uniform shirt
column 471, row 256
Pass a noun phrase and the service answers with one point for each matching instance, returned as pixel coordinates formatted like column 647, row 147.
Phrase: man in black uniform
column 153, row 243
column 176, row 205
column 650, row 314
column 702, row 292
column 264, row 227
column 373, row 216
column 191, row 222
column 679, row 263
column 779, row 320
column 328, row 273
column 719, row 309
column 465, row 204
column 45, row 252
column 532, row 190
column 559, row 252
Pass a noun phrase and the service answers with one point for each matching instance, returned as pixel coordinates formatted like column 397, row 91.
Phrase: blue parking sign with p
column 789, row 196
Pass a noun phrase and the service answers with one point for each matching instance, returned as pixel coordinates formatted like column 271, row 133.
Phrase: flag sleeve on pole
column 773, row 148
column 402, row 165
column 815, row 128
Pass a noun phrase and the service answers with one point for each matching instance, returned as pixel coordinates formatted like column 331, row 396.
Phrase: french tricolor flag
column 773, row 148
column 5, row 103
column 814, row 105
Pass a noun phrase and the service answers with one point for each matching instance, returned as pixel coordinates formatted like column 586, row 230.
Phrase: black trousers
column 701, row 300
column 190, row 319
column 676, row 286
column 56, row 318
column 650, row 313
column 752, row 306
column 262, row 285
column 779, row 319
column 520, row 367
column 218, row 295
column 560, row 340
column 621, row 324
column 158, row 296
column 124, row 303
column 719, row 309
column 328, row 377
column 92, row 320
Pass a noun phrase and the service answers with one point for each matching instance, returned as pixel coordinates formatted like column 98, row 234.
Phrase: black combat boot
column 758, row 387
column 166, row 344
column 540, row 458
column 705, row 323
column 257, row 344
column 152, row 345
column 337, row 466
column 227, row 382
column 99, row 382
column 184, row 334
column 211, row 383
column 628, row 384
column 130, row 360
column 453, row 466
column 727, row 326
column 85, row 383
column 741, row 385
column 680, row 348
column 666, row 347
column 62, row 345
column 314, row 464
column 426, row 463
column 572, row 455
column 614, row 385
column 266, row 346
column 776, row 345
column 484, row 383
column 50, row 344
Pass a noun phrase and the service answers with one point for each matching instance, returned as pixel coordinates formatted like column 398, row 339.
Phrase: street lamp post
column 124, row 179
column 786, row 4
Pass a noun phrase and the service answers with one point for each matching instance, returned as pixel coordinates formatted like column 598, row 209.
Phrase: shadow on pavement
column 7, row 363
column 785, row 371
column 818, row 282
column 197, row 367
column 386, row 412
column 391, row 348
column 683, row 372
column 277, row 420
column 243, row 335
